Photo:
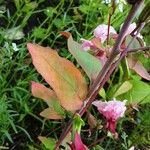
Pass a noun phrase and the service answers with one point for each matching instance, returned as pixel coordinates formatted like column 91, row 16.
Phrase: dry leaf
column 137, row 66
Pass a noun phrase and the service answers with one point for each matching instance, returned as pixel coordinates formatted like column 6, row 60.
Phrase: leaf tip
column 65, row 34
column 31, row 47
column 34, row 85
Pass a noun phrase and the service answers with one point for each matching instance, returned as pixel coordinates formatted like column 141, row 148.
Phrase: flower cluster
column 112, row 111
column 100, row 35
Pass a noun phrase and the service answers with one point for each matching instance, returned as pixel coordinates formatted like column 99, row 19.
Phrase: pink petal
column 131, row 28
column 101, row 32
column 78, row 142
column 78, row 145
column 111, row 125
column 112, row 111
column 86, row 44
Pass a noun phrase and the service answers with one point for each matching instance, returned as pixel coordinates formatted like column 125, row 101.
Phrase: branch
column 139, row 49
column 106, row 71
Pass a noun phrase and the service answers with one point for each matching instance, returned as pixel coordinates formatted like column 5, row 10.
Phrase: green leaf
column 140, row 92
column 49, row 143
column 39, row 32
column 102, row 93
column 50, row 11
column 135, row 43
column 125, row 87
column 98, row 147
column 77, row 123
column 90, row 64
column 29, row 6
column 58, row 108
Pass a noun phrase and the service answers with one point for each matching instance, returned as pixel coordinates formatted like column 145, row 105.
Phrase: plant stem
column 139, row 49
column 108, row 31
column 109, row 19
column 106, row 71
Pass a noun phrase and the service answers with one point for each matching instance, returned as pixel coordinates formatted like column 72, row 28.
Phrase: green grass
column 40, row 21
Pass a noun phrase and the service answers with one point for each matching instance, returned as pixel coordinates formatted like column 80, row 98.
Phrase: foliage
column 41, row 21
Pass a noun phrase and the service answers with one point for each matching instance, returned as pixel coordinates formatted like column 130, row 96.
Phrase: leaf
column 137, row 66
column 66, row 141
column 98, row 147
column 140, row 92
column 125, row 87
column 90, row 64
column 102, row 93
column 28, row 7
column 65, row 79
column 50, row 11
column 15, row 33
column 77, row 123
column 91, row 120
column 136, row 42
column 40, row 91
column 50, row 113
column 50, row 97
column 49, row 143
column 39, row 33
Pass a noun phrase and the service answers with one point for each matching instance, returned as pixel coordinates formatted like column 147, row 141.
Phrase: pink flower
column 112, row 111
column 102, row 59
column 77, row 145
column 101, row 32
column 86, row 44
column 131, row 28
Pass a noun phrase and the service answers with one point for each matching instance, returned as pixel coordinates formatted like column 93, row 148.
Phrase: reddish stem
column 109, row 19
column 108, row 31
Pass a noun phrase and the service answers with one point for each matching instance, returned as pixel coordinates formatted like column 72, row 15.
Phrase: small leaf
column 90, row 64
column 2, row 9
column 66, row 141
column 98, row 147
column 125, row 87
column 39, row 32
column 102, row 93
column 77, row 123
column 49, row 143
column 91, row 120
column 50, row 113
column 50, row 97
column 65, row 79
column 50, row 11
column 40, row 91
column 29, row 7
column 137, row 66
column 15, row 33
column 136, row 42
